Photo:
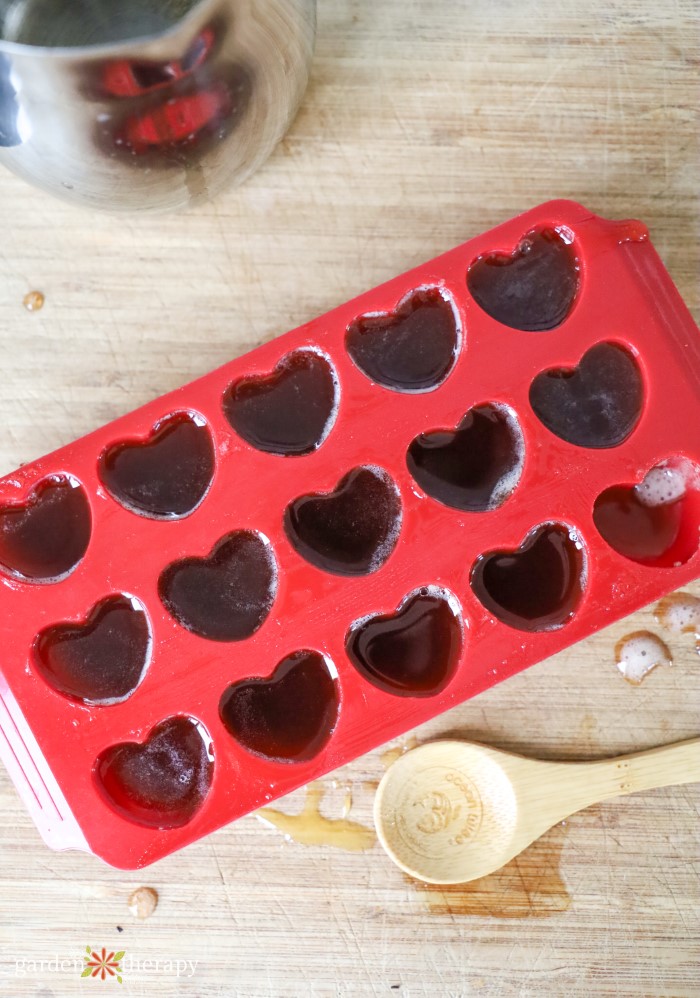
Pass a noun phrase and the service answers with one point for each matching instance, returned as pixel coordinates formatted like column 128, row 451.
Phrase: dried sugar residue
column 311, row 828
column 679, row 613
column 637, row 654
column 530, row 886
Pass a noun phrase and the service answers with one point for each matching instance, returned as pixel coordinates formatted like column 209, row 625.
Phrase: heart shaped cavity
column 538, row 586
column 351, row 530
column 102, row 660
column 476, row 466
column 412, row 349
column 534, row 287
column 45, row 537
column 413, row 652
column 165, row 476
column 163, row 782
column 290, row 411
column 227, row 595
column 596, row 404
column 656, row 522
column 288, row 717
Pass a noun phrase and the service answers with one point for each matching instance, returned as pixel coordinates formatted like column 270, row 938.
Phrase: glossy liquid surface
column 165, row 476
column 410, row 350
column 537, row 587
column 476, row 466
column 287, row 412
column 89, row 22
column 661, row 535
column 101, row 660
column 532, row 288
column 413, row 652
column 288, row 717
column 162, row 782
column 226, row 596
column 596, row 404
column 351, row 530
column 45, row 538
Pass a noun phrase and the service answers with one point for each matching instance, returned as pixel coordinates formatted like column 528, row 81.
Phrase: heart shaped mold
column 45, row 537
column 596, row 404
column 162, row 782
column 413, row 652
column 537, row 587
column 475, row 467
column 103, row 659
column 288, row 412
column 351, row 530
column 165, row 476
column 534, row 287
column 412, row 349
column 288, row 717
column 656, row 522
column 227, row 595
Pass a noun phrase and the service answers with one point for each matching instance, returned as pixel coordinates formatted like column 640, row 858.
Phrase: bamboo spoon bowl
column 449, row 811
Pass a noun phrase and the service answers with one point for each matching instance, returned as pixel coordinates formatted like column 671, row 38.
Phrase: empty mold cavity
column 162, row 782
column 165, row 476
column 475, row 467
column 290, row 411
column 226, row 595
column 101, row 660
column 413, row 652
column 351, row 530
column 596, row 404
column 657, row 521
column 411, row 349
column 45, row 537
column 534, row 287
column 288, row 717
column 538, row 586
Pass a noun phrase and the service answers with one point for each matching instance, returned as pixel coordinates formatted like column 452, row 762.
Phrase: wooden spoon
column 449, row 811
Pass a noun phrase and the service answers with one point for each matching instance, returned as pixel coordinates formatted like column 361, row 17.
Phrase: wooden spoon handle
column 664, row 766
column 576, row 785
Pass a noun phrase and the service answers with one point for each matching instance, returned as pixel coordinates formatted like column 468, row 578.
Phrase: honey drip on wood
column 530, row 886
column 680, row 614
column 311, row 828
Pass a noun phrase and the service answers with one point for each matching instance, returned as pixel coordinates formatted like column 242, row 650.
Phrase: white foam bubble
column 667, row 483
column 639, row 653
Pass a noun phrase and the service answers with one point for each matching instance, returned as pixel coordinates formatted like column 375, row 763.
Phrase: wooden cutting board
column 424, row 124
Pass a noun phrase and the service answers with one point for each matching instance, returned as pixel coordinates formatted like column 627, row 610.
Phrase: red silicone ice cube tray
column 256, row 578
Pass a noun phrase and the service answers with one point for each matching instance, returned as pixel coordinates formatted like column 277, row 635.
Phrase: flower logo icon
column 103, row 964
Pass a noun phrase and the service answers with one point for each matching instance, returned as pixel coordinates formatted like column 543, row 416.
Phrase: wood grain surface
column 425, row 123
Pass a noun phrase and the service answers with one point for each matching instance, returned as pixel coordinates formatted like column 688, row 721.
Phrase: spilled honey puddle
column 637, row 654
column 680, row 614
column 530, row 886
column 389, row 757
column 311, row 828
column 33, row 301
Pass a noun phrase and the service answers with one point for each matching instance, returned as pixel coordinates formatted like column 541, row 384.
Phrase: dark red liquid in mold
column 596, row 404
column 661, row 536
column 411, row 349
column 537, row 587
column 351, row 530
column 225, row 596
column 101, row 660
column 45, row 537
column 532, row 288
column 165, row 476
column 474, row 467
column 287, row 412
column 288, row 717
column 413, row 652
column 162, row 782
